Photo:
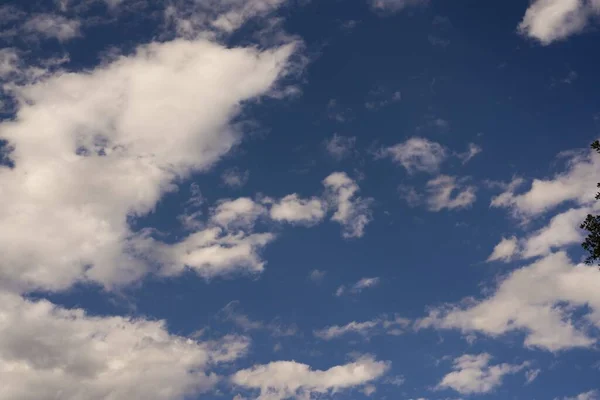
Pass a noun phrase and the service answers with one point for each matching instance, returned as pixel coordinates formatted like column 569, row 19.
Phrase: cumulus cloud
column 48, row 351
column 562, row 230
column 474, row 374
column 352, row 212
column 90, row 154
column 293, row 209
column 239, row 213
column 553, row 302
column 53, row 26
column 396, row 5
column 591, row 395
column 340, row 147
column 213, row 252
column 449, row 192
column 505, row 250
column 416, row 154
column 576, row 185
column 551, row 20
column 292, row 380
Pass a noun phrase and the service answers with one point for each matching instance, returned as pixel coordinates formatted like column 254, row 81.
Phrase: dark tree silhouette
column 592, row 225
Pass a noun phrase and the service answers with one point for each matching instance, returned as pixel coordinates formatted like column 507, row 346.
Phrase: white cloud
column 410, row 195
column 334, row 331
column 293, row 209
column 470, row 153
column 317, row 276
column 90, row 154
column 292, row 380
column 49, row 352
column 191, row 17
column 591, row 395
column 239, row 213
column 275, row 328
column 531, row 375
column 234, row 178
column 53, row 26
column 448, row 192
column 391, row 326
column 473, row 374
column 562, row 230
column 340, row 147
column 577, row 185
column 352, row 212
column 9, row 62
column 213, row 252
column 365, row 283
column 505, row 250
column 416, row 154
column 544, row 300
column 396, row 5
column 551, row 20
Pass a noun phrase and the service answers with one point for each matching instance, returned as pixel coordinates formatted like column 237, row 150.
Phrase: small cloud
column 410, row 195
column 397, row 380
column 317, row 276
column 380, row 97
column 450, row 193
column 349, row 24
column 473, row 374
column 365, row 283
column 369, row 390
column 53, row 26
column 340, row 147
column 505, row 250
column 471, row 152
column 416, row 154
column 393, row 6
column 336, row 112
column 531, row 375
column 570, row 78
column 235, row 178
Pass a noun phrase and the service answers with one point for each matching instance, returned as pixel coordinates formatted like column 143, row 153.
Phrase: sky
column 298, row 199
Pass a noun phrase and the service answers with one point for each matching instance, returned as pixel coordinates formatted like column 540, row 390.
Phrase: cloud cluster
column 474, row 374
column 289, row 379
column 575, row 185
column 340, row 147
column 416, row 155
column 551, row 20
column 351, row 212
column 48, row 351
column 544, row 300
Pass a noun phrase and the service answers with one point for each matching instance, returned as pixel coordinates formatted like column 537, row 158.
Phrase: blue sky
column 291, row 199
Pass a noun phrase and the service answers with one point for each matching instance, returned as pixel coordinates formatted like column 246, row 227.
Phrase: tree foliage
column 592, row 226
